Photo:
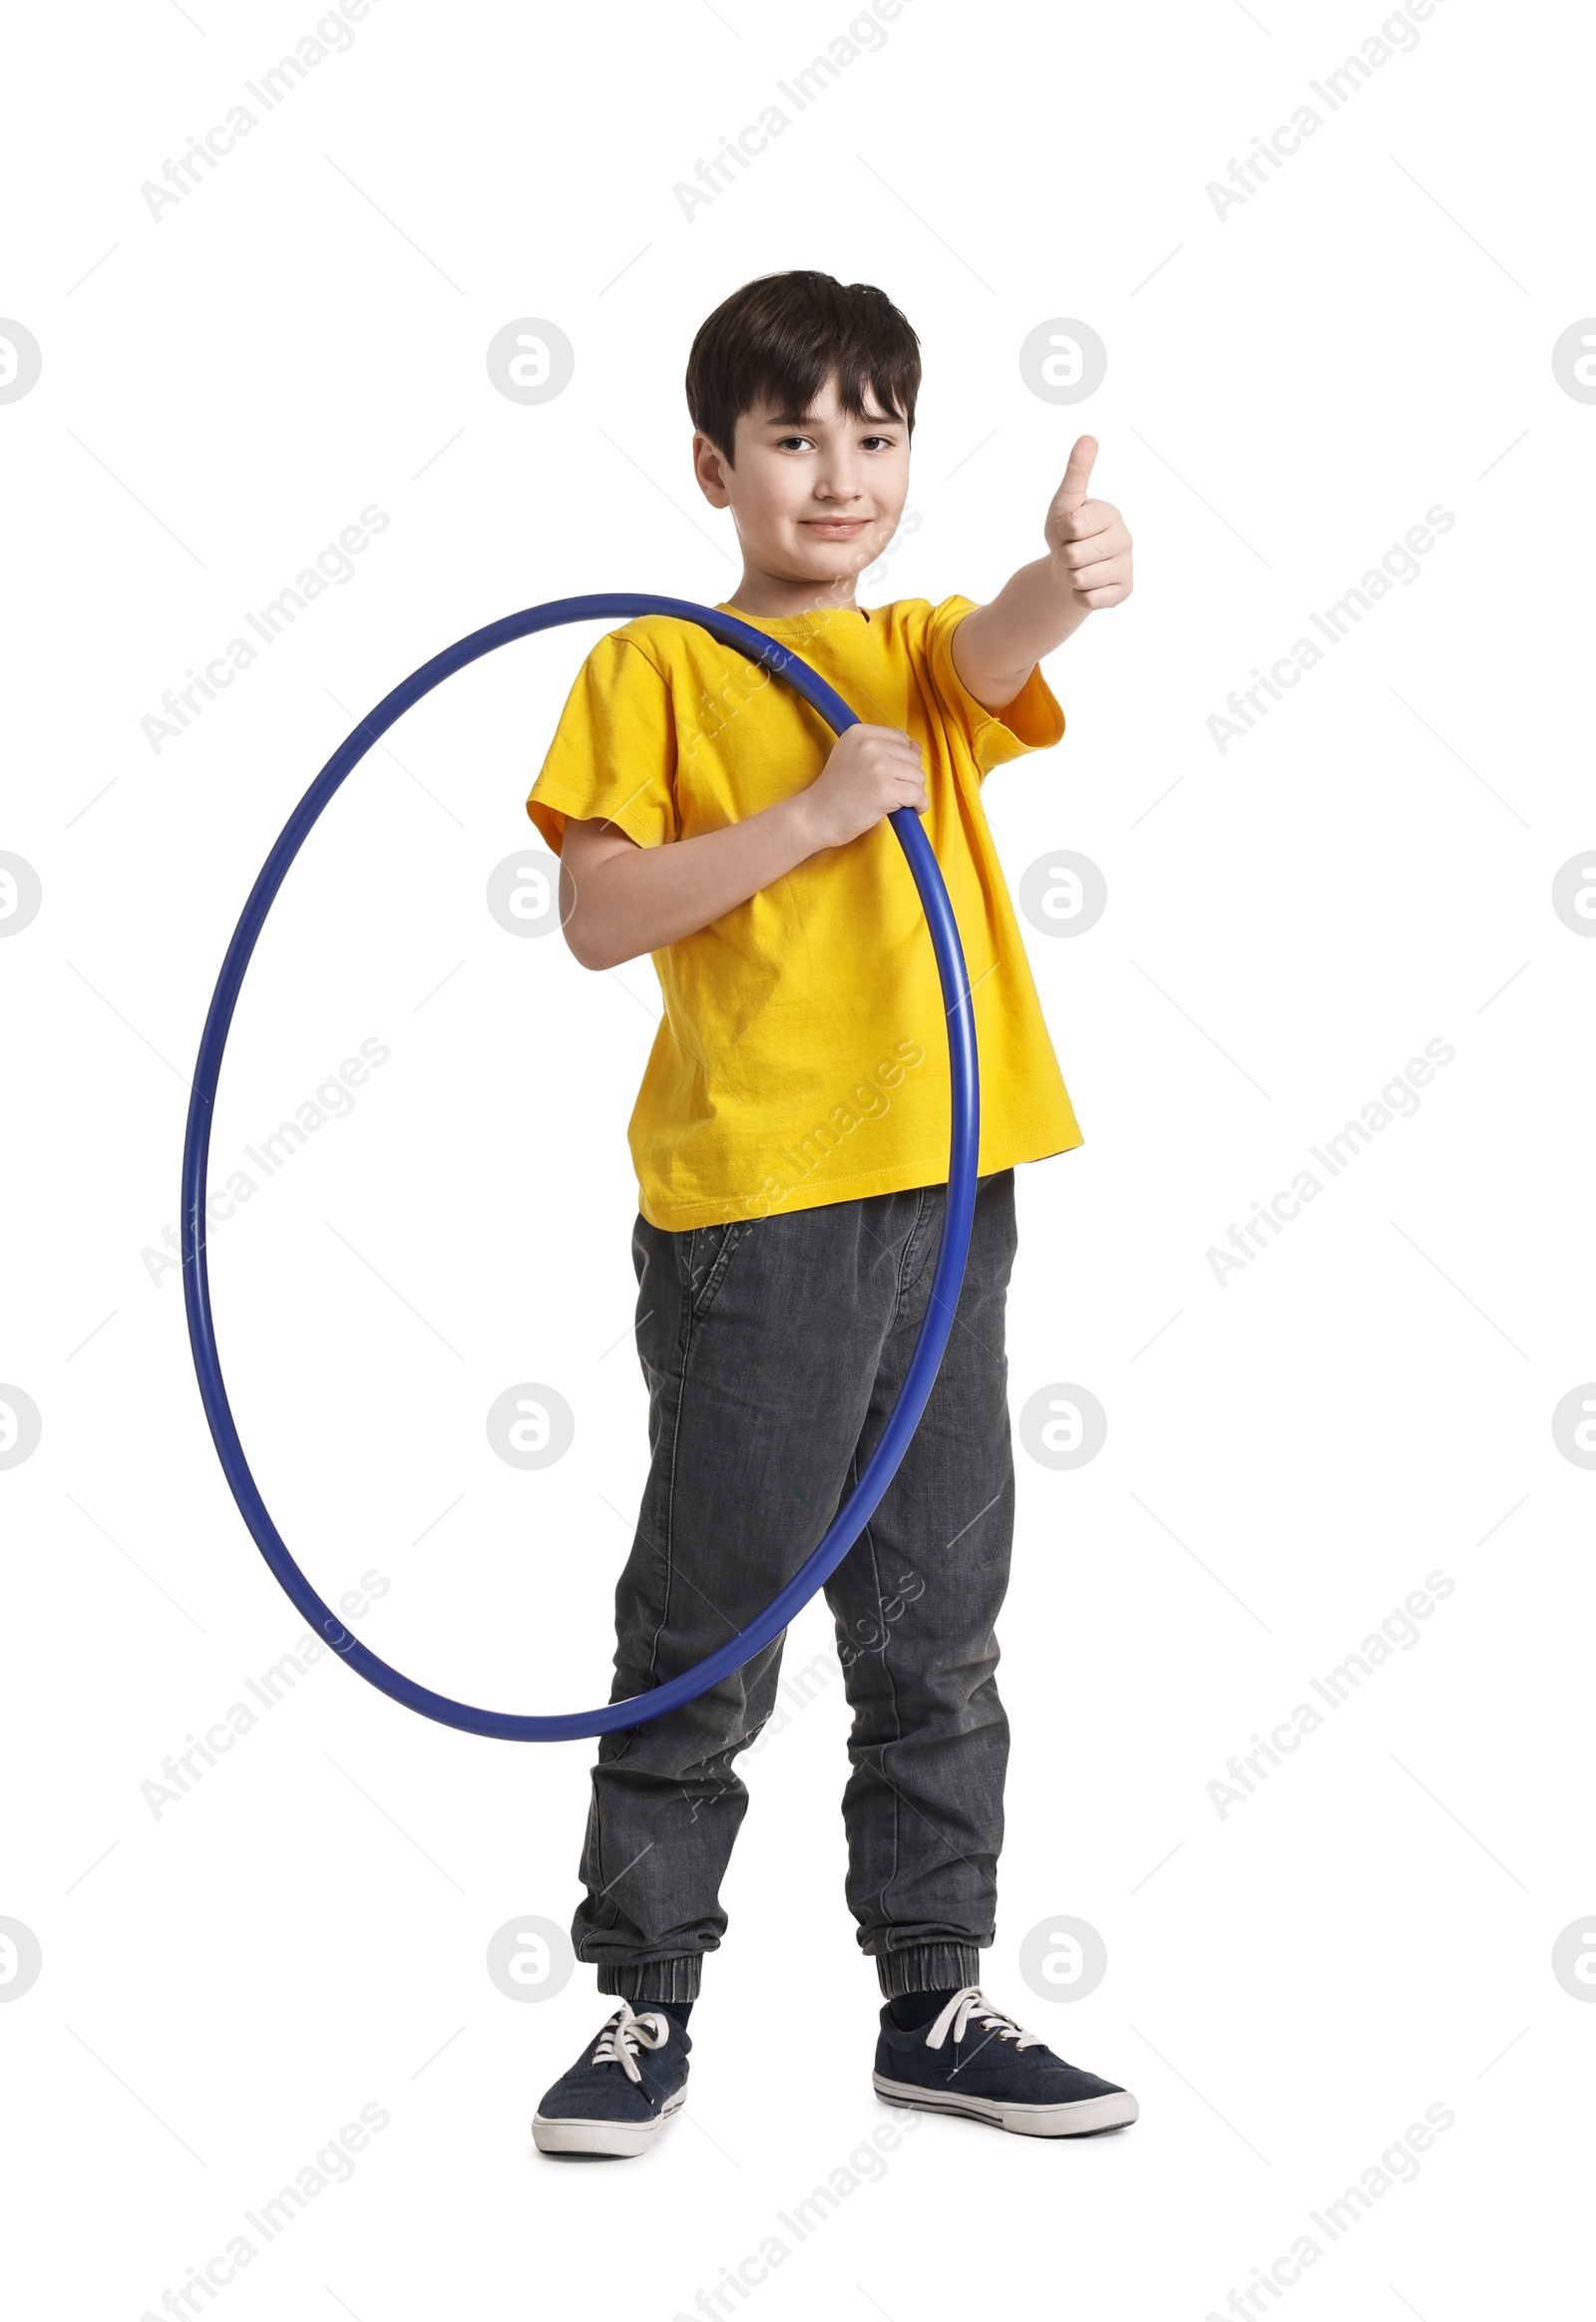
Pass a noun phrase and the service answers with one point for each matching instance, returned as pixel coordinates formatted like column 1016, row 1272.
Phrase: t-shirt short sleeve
column 1031, row 721
column 614, row 753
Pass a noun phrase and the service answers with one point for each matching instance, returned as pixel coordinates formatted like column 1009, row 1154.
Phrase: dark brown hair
column 778, row 339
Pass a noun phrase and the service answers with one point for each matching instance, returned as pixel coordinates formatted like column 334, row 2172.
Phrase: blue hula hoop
column 861, row 1504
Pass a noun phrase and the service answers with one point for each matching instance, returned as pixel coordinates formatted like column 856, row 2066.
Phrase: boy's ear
column 709, row 465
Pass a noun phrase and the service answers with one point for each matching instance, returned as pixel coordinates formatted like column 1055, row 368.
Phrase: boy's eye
column 870, row 443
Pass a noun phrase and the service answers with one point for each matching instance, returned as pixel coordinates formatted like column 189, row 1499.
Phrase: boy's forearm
column 639, row 899
column 618, row 899
column 996, row 646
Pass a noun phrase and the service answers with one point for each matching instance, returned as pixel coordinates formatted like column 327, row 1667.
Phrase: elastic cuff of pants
column 654, row 1979
column 928, row 1967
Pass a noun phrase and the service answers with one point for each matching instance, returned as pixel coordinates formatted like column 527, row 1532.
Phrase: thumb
column 1077, row 474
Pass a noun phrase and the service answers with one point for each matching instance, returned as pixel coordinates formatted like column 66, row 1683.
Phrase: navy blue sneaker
column 618, row 2095
column 974, row 2061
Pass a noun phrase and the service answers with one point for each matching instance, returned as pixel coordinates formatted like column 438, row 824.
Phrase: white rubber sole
column 622, row 2139
column 1079, row 2120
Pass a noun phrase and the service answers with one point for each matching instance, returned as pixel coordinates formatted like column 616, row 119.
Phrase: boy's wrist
column 798, row 825
column 1069, row 611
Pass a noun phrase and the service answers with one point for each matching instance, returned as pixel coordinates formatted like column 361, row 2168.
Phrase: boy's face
column 815, row 495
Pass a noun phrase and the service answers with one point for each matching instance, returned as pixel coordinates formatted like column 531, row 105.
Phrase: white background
column 1290, row 387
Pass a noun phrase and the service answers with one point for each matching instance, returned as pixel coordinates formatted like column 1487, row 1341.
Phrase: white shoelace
column 968, row 2005
column 625, row 2033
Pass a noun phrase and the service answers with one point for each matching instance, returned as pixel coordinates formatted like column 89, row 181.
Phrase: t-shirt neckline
column 783, row 620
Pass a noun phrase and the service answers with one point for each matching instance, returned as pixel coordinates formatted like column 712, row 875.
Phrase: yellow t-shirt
column 803, row 1053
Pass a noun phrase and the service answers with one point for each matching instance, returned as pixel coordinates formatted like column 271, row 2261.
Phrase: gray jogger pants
column 774, row 1351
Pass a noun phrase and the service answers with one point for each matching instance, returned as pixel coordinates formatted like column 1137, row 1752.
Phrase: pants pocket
column 707, row 1256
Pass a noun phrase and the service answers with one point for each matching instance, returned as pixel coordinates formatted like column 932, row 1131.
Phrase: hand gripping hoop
column 857, row 1510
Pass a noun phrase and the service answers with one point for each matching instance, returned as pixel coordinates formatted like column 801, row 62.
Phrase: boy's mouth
column 834, row 528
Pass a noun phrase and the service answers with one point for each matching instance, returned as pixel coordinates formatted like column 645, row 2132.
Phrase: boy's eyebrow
column 807, row 419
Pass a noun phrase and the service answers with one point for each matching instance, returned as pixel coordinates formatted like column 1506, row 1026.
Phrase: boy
column 791, row 1146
